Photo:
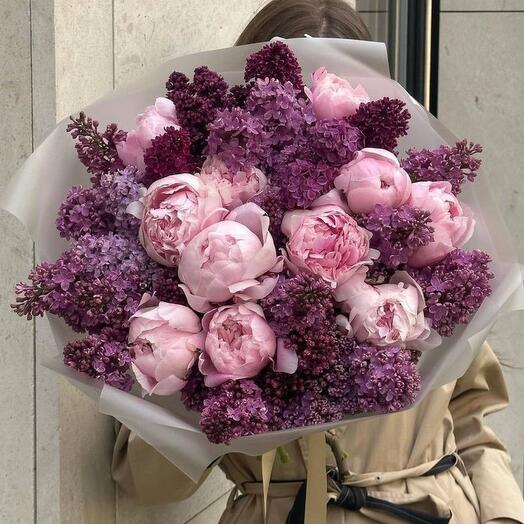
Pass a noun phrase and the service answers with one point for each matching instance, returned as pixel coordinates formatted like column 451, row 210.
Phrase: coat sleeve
column 481, row 391
column 145, row 474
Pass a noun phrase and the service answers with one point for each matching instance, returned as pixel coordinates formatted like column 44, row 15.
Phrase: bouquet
column 267, row 254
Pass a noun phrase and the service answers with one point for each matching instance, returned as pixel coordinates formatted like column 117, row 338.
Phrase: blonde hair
column 295, row 18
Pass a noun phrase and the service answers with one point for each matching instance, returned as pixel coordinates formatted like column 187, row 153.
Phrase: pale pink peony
column 149, row 124
column 232, row 258
column 173, row 334
column 326, row 241
column 388, row 314
column 235, row 187
column 333, row 97
column 239, row 343
column 173, row 210
column 373, row 177
column 452, row 221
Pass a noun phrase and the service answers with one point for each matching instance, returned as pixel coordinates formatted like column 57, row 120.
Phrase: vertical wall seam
column 32, row 119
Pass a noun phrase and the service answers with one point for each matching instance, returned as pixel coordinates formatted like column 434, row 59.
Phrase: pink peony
column 165, row 338
column 149, row 124
column 333, row 97
column 173, row 210
column 373, row 177
column 239, row 343
column 453, row 222
column 235, row 187
column 230, row 259
column 388, row 314
column 326, row 241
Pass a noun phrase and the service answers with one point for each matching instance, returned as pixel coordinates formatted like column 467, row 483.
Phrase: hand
column 502, row 521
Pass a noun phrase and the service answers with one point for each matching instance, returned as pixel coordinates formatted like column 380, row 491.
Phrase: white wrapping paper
column 35, row 193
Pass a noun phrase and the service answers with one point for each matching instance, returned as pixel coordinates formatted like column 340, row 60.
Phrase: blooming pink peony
column 230, row 259
column 170, row 336
column 326, row 241
column 373, row 177
column 388, row 314
column 333, row 97
column 453, row 222
column 173, row 210
column 239, row 343
column 149, row 124
column 235, row 187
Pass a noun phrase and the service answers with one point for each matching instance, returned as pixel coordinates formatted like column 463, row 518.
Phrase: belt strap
column 354, row 498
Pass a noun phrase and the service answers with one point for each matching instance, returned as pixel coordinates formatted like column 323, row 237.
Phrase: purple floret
column 101, row 209
column 382, row 122
column 397, row 232
column 274, row 60
column 454, row 288
column 102, row 358
column 234, row 409
column 454, row 164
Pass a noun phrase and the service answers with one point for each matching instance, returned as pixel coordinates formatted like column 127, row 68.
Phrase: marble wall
column 58, row 55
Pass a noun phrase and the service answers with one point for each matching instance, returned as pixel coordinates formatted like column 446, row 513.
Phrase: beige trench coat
column 387, row 455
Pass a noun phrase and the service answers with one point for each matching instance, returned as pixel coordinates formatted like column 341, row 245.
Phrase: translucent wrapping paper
column 35, row 193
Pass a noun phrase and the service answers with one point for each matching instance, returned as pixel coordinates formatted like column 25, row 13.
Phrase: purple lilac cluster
column 102, row 357
column 301, row 311
column 197, row 102
column 454, row 288
column 234, row 409
column 96, row 149
column 275, row 61
column 454, row 164
column 382, row 122
column 169, row 154
column 397, row 232
column 98, row 209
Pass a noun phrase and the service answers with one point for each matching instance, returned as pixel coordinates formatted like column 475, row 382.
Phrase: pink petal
column 287, row 359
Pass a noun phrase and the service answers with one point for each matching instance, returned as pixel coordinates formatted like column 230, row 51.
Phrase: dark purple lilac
column 454, row 288
column 195, row 392
column 197, row 102
column 454, row 164
column 238, row 94
column 102, row 358
column 169, row 154
column 301, row 310
column 382, row 122
column 102, row 208
column 96, row 149
column 274, row 60
column 397, row 232
column 272, row 201
column 234, row 409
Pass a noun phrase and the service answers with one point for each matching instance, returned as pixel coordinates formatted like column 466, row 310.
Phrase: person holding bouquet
column 435, row 463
